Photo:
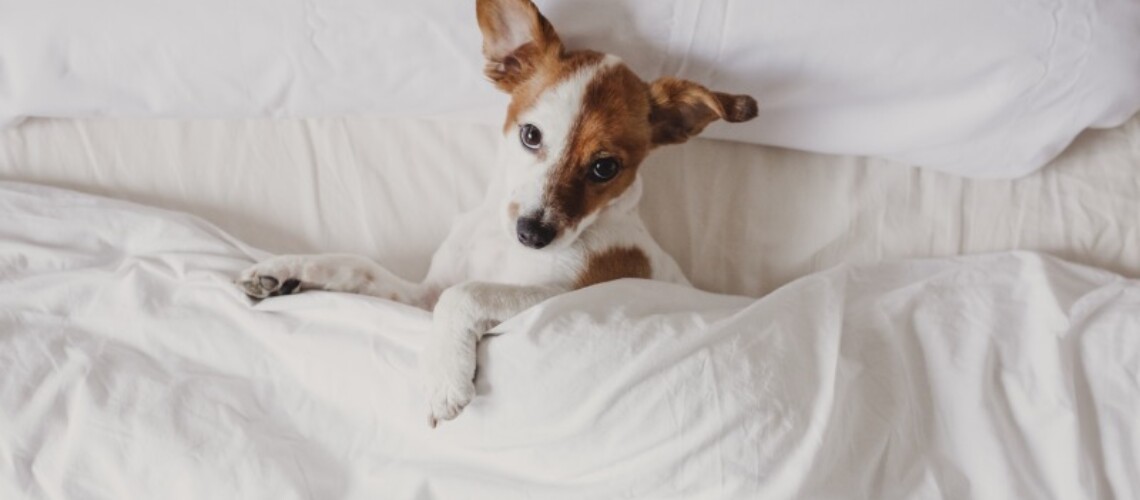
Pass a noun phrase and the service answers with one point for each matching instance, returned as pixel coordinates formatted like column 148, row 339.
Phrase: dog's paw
column 267, row 279
column 448, row 382
column 446, row 399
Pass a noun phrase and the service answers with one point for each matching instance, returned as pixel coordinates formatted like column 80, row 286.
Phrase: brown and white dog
column 562, row 216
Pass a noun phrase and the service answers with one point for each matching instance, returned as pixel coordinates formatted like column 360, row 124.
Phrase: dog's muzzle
column 534, row 233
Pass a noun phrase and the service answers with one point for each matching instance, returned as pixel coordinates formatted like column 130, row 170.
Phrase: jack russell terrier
column 562, row 216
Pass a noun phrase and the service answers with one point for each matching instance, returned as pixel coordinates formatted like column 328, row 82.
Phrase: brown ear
column 680, row 109
column 516, row 38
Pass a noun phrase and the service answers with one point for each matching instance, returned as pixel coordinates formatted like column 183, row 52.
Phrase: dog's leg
column 463, row 314
column 289, row 274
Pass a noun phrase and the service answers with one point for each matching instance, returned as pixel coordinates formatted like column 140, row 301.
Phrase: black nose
column 533, row 233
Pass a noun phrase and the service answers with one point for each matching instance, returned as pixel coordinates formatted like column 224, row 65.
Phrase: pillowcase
column 972, row 87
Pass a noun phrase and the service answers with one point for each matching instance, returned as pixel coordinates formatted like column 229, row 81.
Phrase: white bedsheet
column 133, row 369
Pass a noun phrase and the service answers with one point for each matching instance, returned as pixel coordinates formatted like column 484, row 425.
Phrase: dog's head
column 579, row 123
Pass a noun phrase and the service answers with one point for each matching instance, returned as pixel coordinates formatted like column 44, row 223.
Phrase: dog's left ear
column 516, row 40
column 680, row 109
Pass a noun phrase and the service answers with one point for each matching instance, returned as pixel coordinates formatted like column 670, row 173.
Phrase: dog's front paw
column 449, row 381
column 447, row 398
column 268, row 279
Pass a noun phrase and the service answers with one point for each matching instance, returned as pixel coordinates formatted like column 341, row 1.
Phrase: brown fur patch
column 613, row 263
column 612, row 122
column 513, row 210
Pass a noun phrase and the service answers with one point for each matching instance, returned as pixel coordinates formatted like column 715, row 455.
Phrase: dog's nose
column 533, row 233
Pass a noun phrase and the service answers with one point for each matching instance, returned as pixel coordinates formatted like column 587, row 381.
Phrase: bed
column 860, row 327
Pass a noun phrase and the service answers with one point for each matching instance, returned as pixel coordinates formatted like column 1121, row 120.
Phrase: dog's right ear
column 516, row 40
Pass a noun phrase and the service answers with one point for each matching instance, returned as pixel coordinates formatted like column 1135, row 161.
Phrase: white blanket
column 131, row 368
column 973, row 87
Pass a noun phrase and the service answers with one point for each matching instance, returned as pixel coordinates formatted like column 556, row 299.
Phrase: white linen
column 972, row 87
column 738, row 218
column 134, row 369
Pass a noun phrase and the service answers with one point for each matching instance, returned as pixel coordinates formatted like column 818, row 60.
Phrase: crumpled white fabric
column 971, row 87
column 133, row 369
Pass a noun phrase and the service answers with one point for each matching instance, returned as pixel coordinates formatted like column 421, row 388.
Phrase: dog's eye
column 530, row 136
column 604, row 169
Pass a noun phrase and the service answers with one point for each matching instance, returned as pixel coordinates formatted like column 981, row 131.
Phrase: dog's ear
column 516, row 39
column 680, row 109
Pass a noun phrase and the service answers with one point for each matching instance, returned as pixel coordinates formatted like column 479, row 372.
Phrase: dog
column 563, row 214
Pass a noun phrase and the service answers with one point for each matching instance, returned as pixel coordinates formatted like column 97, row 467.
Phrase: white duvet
column 131, row 368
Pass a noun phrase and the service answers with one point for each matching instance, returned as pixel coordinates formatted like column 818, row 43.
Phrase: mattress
column 739, row 218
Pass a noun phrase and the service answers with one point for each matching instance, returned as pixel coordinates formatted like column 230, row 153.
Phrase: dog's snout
column 533, row 233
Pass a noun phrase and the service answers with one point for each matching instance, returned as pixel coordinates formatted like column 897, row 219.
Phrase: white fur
column 482, row 275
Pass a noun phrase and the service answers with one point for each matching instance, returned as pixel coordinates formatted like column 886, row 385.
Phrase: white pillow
column 974, row 87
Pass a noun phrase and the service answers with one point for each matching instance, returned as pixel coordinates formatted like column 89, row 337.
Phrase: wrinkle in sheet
column 1091, row 471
